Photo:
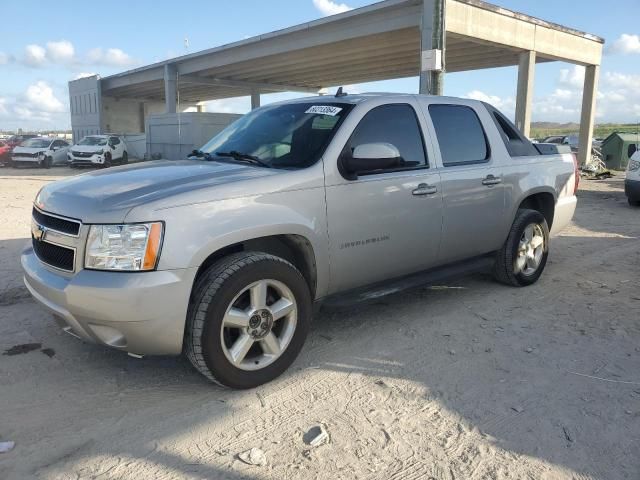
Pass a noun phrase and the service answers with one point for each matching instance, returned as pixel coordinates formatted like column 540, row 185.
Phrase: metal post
column 170, row 88
column 432, row 47
column 588, row 113
column 526, row 74
column 255, row 100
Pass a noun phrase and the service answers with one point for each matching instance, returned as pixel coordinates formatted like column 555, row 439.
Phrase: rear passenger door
column 471, row 175
column 386, row 223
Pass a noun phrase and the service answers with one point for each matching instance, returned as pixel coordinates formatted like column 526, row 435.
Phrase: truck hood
column 107, row 195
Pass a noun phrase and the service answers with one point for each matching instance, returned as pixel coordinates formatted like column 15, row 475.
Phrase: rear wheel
column 633, row 203
column 125, row 158
column 248, row 319
column 522, row 258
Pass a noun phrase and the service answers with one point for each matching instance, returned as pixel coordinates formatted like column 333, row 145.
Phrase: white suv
column 99, row 150
column 632, row 181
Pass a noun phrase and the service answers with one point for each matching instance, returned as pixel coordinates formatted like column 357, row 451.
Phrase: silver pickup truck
column 223, row 256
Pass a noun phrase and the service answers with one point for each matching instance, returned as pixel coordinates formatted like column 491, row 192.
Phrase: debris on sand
column 6, row 446
column 23, row 348
column 316, row 436
column 255, row 456
column 517, row 409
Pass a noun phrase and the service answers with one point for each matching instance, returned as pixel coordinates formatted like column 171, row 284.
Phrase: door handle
column 491, row 180
column 424, row 189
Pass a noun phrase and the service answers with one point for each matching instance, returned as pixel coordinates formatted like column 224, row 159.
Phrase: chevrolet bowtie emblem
column 38, row 232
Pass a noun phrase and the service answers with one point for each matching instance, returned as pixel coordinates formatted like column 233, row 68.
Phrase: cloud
column 627, row 44
column 5, row 58
column 618, row 98
column 39, row 96
column 38, row 106
column 34, row 55
column 572, row 78
column 84, row 75
column 327, row 7
column 61, row 51
column 113, row 57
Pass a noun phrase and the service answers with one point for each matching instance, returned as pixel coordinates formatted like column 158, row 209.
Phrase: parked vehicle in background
column 98, row 150
column 632, row 180
column 572, row 140
column 16, row 140
column 5, row 153
column 224, row 254
column 43, row 151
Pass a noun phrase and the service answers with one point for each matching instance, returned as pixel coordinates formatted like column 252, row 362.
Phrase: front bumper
column 139, row 312
column 632, row 189
column 80, row 161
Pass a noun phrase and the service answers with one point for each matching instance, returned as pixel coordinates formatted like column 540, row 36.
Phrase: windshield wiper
column 243, row 157
column 201, row 154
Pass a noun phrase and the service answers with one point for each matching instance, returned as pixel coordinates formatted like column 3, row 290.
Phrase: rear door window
column 460, row 134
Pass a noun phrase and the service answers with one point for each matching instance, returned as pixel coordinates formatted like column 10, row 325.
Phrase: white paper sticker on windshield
column 324, row 110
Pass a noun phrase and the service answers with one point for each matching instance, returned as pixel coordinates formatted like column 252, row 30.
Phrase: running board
column 436, row 275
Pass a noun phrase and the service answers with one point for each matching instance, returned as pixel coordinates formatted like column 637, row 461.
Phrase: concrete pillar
column 588, row 112
column 526, row 74
column 255, row 100
column 170, row 88
column 432, row 47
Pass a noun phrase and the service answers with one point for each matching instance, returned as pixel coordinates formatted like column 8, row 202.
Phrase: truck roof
column 357, row 98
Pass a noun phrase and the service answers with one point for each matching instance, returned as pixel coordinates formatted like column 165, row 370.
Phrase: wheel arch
column 294, row 248
column 542, row 200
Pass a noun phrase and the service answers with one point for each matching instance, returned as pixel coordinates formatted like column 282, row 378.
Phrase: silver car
column 222, row 256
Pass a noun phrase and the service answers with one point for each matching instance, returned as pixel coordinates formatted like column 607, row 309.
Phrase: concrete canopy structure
column 377, row 42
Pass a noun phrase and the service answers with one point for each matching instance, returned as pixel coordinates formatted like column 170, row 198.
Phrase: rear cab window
column 460, row 134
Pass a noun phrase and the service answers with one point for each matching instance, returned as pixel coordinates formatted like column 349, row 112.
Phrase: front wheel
column 522, row 258
column 125, row 158
column 247, row 320
column 633, row 203
column 107, row 161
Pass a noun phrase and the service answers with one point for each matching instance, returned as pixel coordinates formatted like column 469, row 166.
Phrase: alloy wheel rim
column 530, row 250
column 258, row 324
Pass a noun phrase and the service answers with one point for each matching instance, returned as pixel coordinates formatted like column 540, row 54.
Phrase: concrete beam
column 588, row 112
column 227, row 82
column 170, row 77
column 526, row 74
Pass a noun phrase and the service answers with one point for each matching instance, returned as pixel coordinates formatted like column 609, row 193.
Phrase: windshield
column 36, row 143
column 93, row 141
column 290, row 136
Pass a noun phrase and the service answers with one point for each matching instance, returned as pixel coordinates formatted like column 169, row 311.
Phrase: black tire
column 214, row 292
column 504, row 268
column 48, row 161
column 633, row 203
column 107, row 161
column 125, row 158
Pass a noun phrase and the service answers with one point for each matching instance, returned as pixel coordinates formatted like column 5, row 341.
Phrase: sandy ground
column 480, row 381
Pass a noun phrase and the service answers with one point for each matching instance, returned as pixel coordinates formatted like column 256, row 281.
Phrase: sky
column 43, row 45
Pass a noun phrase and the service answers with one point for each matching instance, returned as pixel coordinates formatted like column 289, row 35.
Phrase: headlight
column 98, row 152
column 634, row 165
column 134, row 247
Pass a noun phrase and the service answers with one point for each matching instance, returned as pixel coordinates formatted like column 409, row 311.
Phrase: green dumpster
column 617, row 148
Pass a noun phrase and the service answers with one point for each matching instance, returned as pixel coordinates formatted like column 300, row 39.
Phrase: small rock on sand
column 255, row 456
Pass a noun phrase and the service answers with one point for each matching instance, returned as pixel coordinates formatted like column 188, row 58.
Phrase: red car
column 5, row 153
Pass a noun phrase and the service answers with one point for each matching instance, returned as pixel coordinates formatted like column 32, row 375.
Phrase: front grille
column 83, row 154
column 54, row 255
column 25, row 155
column 56, row 223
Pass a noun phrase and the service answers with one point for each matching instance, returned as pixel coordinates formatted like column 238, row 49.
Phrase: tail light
column 576, row 172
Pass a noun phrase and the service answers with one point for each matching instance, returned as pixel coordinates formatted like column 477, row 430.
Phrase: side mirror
column 55, row 149
column 370, row 157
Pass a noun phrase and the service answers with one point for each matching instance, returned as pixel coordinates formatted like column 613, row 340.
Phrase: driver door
column 387, row 223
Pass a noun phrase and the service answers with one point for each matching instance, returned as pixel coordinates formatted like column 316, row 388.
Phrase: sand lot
column 481, row 381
